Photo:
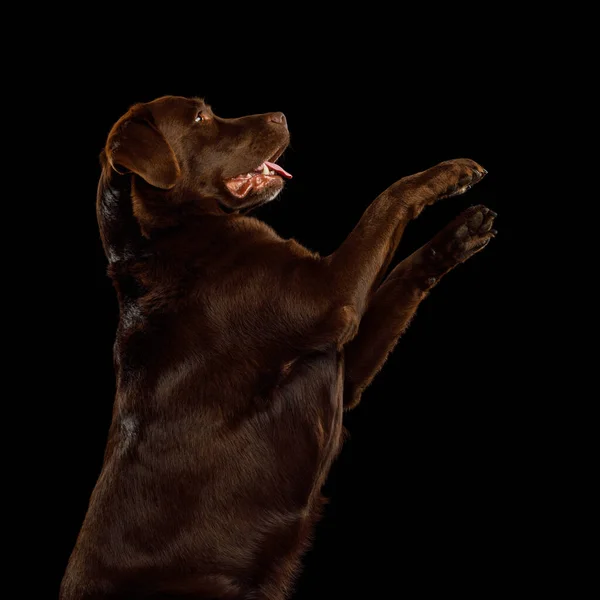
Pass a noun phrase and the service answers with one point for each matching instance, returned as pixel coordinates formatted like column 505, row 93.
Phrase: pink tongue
column 278, row 169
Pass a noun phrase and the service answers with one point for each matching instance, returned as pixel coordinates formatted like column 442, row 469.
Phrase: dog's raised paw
column 461, row 175
column 469, row 233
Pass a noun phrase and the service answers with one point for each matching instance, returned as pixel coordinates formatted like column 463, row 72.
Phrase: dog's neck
column 120, row 231
column 131, row 215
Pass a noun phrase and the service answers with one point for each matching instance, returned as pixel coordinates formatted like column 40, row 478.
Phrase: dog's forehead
column 174, row 108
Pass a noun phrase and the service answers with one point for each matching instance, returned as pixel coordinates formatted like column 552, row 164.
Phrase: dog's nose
column 277, row 117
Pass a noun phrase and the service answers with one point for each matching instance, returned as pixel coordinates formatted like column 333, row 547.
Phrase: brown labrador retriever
column 237, row 352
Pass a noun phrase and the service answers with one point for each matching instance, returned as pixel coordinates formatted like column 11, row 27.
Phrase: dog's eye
column 199, row 117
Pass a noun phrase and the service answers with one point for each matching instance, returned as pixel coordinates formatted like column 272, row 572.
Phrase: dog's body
column 236, row 353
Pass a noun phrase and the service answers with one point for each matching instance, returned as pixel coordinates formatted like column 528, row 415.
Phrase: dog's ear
column 135, row 144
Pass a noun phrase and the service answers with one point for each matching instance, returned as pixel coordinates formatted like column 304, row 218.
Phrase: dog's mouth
column 265, row 174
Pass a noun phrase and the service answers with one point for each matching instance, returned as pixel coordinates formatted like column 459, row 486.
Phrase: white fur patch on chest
column 130, row 428
column 131, row 315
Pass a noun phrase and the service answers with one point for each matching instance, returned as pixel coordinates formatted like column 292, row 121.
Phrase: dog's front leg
column 354, row 270
column 395, row 302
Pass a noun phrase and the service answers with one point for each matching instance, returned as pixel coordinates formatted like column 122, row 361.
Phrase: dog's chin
column 253, row 197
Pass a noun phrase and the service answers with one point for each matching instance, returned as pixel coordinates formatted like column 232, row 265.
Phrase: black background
column 443, row 483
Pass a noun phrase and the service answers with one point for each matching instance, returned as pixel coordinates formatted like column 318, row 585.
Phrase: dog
column 237, row 352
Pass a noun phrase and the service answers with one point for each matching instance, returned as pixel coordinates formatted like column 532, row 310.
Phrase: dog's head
column 183, row 155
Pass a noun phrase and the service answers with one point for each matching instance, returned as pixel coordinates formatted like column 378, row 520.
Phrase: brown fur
column 236, row 354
